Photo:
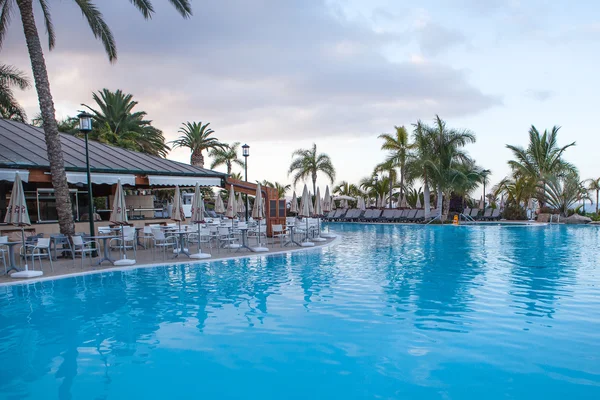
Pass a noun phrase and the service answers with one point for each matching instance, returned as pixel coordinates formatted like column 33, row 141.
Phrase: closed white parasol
column 17, row 215
column 258, row 214
column 198, row 218
column 119, row 216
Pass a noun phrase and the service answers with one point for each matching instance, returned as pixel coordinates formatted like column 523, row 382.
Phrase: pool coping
column 334, row 241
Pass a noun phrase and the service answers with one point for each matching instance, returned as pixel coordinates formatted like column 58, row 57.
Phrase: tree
column 594, row 185
column 308, row 163
column 40, row 76
column 197, row 137
column 227, row 155
column 420, row 162
column 116, row 123
column 563, row 191
column 542, row 159
column 517, row 190
column 9, row 106
column 398, row 146
column 448, row 156
column 237, row 176
column 282, row 189
column 389, row 167
column 346, row 189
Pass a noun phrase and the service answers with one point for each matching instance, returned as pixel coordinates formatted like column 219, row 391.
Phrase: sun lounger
column 495, row 214
column 366, row 215
column 396, row 216
column 402, row 215
column 419, row 216
column 388, row 215
column 487, row 214
column 376, row 214
column 474, row 213
column 467, row 211
column 338, row 213
column 410, row 217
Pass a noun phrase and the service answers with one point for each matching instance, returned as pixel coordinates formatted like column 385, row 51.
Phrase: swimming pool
column 389, row 312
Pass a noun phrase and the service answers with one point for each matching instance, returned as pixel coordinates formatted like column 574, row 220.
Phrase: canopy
column 258, row 211
column 119, row 210
column 101, row 179
column 294, row 204
column 219, row 206
column 317, row 208
column 165, row 180
column 304, row 204
column 17, row 214
column 10, row 174
column 232, row 208
column 197, row 206
column 326, row 201
column 178, row 213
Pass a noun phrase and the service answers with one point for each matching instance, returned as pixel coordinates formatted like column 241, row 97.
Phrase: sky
column 280, row 75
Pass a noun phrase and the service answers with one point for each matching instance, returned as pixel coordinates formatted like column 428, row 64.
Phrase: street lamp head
column 245, row 150
column 85, row 122
column 376, row 177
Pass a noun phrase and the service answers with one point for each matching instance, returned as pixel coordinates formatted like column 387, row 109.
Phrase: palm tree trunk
column 390, row 189
column 446, row 207
column 597, row 193
column 197, row 159
column 440, row 197
column 314, row 181
column 426, row 197
column 228, row 167
column 52, row 137
column 402, row 182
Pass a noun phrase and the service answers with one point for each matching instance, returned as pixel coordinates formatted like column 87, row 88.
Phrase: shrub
column 513, row 211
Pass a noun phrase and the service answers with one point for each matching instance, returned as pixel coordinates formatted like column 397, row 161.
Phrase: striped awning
column 165, row 180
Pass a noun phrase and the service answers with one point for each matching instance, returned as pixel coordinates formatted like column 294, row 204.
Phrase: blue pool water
column 391, row 312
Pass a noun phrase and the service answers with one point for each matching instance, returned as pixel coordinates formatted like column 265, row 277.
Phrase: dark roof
column 24, row 146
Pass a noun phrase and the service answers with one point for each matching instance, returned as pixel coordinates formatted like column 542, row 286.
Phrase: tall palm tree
column 421, row 160
column 197, row 138
column 542, row 158
column 308, row 163
column 42, row 84
column 9, row 106
column 594, row 185
column 227, row 155
column 118, row 124
column 398, row 145
column 448, row 157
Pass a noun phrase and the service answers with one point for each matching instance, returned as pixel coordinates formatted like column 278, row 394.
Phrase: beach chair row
column 377, row 215
column 489, row 214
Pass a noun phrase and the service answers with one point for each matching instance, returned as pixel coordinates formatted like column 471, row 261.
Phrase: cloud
column 434, row 39
column 269, row 70
column 540, row 95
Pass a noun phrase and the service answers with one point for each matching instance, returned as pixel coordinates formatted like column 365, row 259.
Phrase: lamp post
column 246, row 154
column 85, row 126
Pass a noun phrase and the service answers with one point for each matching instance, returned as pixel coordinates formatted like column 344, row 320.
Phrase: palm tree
column 346, row 189
column 541, row 159
column 563, row 191
column 117, row 124
column 197, row 138
column 9, row 106
column 449, row 162
column 308, row 163
column 594, row 185
column 398, row 145
column 227, row 155
column 517, row 190
column 40, row 76
column 420, row 162
column 282, row 189
column 389, row 167
column 237, row 176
